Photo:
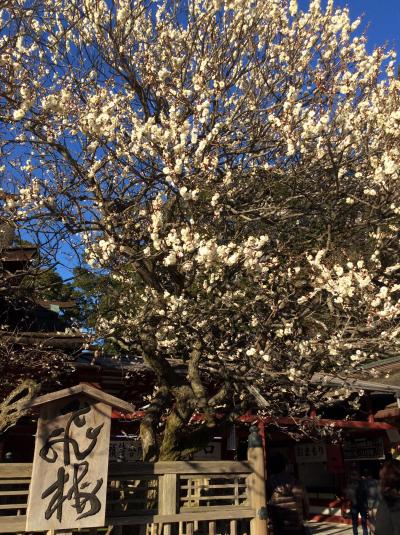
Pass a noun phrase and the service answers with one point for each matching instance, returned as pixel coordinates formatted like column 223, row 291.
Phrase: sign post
column 70, row 467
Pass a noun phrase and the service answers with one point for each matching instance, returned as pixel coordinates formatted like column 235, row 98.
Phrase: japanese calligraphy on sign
column 364, row 449
column 69, row 477
column 310, row 452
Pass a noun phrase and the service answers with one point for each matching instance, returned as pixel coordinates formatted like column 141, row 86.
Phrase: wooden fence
column 203, row 497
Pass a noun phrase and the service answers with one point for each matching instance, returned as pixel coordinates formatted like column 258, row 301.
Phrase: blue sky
column 383, row 20
column 383, row 17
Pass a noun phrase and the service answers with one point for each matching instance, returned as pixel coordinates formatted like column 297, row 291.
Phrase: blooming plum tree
column 235, row 166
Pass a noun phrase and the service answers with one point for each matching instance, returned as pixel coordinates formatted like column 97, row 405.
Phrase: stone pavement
column 318, row 528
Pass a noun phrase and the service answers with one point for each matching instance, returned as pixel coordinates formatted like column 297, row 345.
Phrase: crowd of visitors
column 376, row 503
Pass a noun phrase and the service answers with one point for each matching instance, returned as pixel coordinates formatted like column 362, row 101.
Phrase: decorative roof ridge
column 85, row 390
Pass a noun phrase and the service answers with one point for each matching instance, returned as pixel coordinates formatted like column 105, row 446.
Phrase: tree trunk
column 149, row 426
column 17, row 403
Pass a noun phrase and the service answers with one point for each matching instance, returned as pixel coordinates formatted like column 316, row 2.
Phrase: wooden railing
column 168, row 497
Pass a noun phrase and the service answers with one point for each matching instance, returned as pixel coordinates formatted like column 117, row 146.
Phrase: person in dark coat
column 357, row 494
column 374, row 498
column 288, row 502
column 388, row 514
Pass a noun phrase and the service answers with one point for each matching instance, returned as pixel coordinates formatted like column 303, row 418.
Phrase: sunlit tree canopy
column 233, row 166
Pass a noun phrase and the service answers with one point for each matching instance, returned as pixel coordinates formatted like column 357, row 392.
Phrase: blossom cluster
column 234, row 165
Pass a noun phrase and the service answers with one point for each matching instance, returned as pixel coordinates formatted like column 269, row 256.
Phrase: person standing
column 357, row 494
column 288, row 502
column 374, row 497
column 388, row 513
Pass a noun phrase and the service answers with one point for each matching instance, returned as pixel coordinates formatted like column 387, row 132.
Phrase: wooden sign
column 360, row 449
column 310, row 452
column 70, row 466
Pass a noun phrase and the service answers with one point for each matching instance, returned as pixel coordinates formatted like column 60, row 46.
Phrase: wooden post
column 255, row 455
column 212, row 527
column 233, row 523
column 167, row 498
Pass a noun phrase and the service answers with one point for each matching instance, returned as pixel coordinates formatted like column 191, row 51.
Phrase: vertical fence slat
column 233, row 523
column 167, row 499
